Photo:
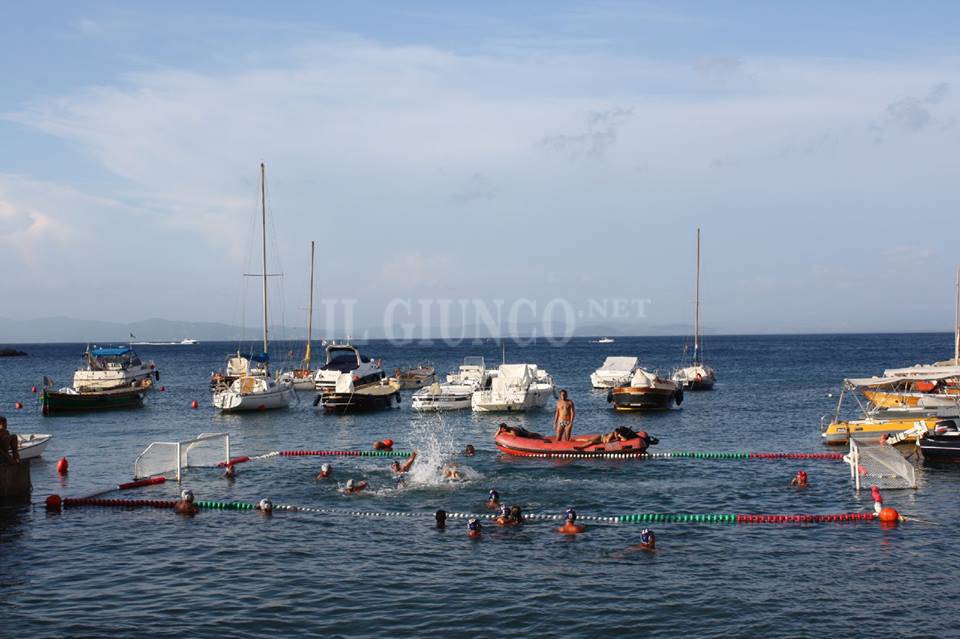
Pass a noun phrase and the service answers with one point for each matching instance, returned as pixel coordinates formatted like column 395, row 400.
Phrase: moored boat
column 32, row 445
column 342, row 358
column 418, row 377
column 302, row 378
column 253, row 393
column 535, row 445
column 615, row 371
column 456, row 393
column 515, row 388
column 942, row 443
column 356, row 394
column 646, row 391
column 106, row 367
column 70, row 400
column 698, row 376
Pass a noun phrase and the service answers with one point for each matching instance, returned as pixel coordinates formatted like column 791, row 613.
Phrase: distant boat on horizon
column 604, row 340
column 184, row 342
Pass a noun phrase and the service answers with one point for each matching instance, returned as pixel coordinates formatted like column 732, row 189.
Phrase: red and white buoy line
column 884, row 515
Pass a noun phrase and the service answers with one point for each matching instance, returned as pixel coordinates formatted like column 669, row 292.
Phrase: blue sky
column 509, row 150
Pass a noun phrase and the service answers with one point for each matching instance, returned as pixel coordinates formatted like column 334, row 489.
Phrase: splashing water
column 437, row 447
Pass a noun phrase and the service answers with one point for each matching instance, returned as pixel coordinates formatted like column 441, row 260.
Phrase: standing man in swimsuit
column 563, row 417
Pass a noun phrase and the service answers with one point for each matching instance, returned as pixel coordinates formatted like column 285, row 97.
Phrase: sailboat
column 302, row 378
column 951, row 366
column 256, row 392
column 697, row 376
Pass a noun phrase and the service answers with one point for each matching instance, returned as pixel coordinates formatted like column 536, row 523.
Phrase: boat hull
column 940, row 447
column 441, row 401
column 840, row 432
column 233, row 402
column 549, row 447
column 57, row 403
column 32, row 446
column 532, row 399
column 633, row 398
column 360, row 401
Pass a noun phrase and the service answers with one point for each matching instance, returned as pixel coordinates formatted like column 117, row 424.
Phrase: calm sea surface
column 148, row 573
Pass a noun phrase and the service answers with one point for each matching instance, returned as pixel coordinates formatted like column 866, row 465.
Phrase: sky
column 484, row 151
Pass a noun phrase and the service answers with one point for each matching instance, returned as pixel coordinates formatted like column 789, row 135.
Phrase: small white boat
column 616, row 371
column 254, row 393
column 604, row 340
column 457, row 392
column 32, row 445
column 516, row 388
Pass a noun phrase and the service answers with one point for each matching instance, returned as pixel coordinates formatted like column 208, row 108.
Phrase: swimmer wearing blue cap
column 493, row 499
column 474, row 528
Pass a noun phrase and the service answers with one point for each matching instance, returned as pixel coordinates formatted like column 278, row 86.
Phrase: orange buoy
column 18, row 405
column 63, row 466
column 388, row 442
column 54, row 502
column 194, row 404
column 33, row 389
column 889, row 515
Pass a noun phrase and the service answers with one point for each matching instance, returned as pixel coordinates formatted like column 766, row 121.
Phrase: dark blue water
column 111, row 572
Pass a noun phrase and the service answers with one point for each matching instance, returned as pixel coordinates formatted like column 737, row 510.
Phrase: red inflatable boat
column 539, row 446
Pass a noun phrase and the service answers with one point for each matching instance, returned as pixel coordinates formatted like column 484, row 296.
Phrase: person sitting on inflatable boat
column 620, row 434
column 570, row 527
column 517, row 431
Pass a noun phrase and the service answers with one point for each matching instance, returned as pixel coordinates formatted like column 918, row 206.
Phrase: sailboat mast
column 696, row 309
column 956, row 324
column 306, row 359
column 263, row 224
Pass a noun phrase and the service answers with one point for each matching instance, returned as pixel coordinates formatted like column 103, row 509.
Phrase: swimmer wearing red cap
column 800, row 479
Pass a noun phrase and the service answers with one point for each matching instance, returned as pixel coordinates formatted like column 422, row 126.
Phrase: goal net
column 207, row 450
column 879, row 465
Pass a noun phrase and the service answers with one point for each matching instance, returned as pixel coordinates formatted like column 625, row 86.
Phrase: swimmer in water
column 185, row 504
column 383, row 444
column 266, row 507
column 570, row 526
column 503, row 515
column 325, row 471
column 452, row 472
column 469, row 451
column 353, row 487
column 799, row 480
column 230, row 472
column 493, row 499
column 441, row 517
column 516, row 516
column 400, row 469
column 648, row 541
column 474, row 528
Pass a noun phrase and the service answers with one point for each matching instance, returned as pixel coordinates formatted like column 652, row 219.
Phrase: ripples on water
column 98, row 572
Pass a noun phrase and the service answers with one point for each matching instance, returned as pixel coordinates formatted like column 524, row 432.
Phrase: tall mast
column 306, row 358
column 956, row 325
column 696, row 309
column 263, row 223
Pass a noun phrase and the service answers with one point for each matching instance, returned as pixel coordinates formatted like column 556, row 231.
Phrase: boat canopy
column 620, row 364
column 924, row 371
column 117, row 351
column 893, row 380
column 260, row 358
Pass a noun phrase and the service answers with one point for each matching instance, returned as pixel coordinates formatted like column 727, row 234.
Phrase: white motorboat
column 457, row 392
column 516, row 388
column 32, row 445
column 616, row 371
column 110, row 367
column 254, row 391
column 604, row 340
column 184, row 342
column 697, row 376
column 646, row 391
column 342, row 358
column 353, row 393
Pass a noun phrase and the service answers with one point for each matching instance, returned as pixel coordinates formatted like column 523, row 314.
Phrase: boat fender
column 157, row 375
column 679, row 396
column 609, row 396
column 316, row 400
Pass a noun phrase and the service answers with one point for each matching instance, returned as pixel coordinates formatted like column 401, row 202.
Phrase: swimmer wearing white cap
column 185, row 506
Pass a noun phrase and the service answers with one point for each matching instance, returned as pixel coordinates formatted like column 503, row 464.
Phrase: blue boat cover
column 260, row 358
column 110, row 352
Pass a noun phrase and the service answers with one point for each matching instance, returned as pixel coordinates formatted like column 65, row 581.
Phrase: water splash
column 437, row 447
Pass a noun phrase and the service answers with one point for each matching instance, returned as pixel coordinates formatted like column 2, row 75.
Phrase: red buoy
column 163, row 388
column 33, row 389
column 18, row 405
column 889, row 515
column 63, row 466
column 194, row 404
column 54, row 502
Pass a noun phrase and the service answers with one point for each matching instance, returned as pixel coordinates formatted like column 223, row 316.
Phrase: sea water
column 149, row 573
